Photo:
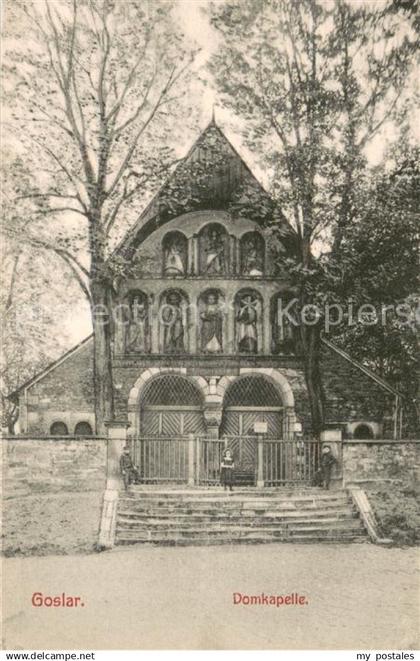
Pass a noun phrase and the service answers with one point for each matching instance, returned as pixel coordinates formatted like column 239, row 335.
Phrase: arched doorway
column 171, row 405
column 252, row 406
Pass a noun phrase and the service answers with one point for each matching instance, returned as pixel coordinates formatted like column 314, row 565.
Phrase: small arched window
column 362, row 432
column 83, row 429
column 59, row 428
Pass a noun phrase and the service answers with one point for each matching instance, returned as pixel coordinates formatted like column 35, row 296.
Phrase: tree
column 95, row 91
column 314, row 82
column 380, row 250
column 30, row 296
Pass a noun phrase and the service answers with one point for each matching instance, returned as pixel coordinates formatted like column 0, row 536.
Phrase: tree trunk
column 102, row 355
column 311, row 344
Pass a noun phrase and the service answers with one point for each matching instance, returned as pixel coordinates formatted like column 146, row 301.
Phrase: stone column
column 289, row 422
column 229, row 344
column 117, row 438
column 191, row 251
column 213, row 418
column 196, row 256
column 266, row 326
column 260, row 464
column 233, row 264
column 238, row 257
column 191, row 462
column 333, row 438
column 154, row 324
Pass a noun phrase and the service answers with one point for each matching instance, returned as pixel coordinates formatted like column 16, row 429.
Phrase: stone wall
column 377, row 462
column 352, row 396
column 53, row 465
column 52, row 494
column 64, row 393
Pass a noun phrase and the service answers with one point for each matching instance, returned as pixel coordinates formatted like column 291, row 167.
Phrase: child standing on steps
column 226, row 473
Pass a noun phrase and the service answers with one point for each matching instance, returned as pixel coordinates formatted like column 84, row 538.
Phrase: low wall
column 380, row 461
column 52, row 494
column 32, row 465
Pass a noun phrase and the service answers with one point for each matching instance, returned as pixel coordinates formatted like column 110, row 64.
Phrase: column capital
column 113, row 424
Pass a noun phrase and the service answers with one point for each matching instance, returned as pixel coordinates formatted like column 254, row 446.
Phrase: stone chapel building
column 202, row 349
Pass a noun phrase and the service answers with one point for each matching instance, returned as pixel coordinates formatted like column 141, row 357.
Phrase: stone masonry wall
column 350, row 394
column 379, row 461
column 52, row 495
column 66, row 392
column 63, row 394
column 53, row 465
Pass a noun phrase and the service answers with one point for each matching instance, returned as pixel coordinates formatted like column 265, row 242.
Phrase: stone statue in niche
column 252, row 257
column 247, row 324
column 215, row 253
column 212, row 325
column 137, row 332
column 174, row 256
column 173, row 324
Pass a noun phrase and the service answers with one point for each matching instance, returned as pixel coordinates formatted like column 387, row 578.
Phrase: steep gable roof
column 55, row 363
column 212, row 175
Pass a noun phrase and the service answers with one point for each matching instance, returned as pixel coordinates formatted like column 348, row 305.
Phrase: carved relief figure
column 174, row 255
column 172, row 319
column 247, row 324
column 253, row 255
column 137, row 332
column 215, row 253
column 212, row 325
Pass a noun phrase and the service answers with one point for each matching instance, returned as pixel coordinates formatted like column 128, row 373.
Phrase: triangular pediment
column 211, row 176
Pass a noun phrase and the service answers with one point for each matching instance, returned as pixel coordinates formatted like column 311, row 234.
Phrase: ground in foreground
column 359, row 596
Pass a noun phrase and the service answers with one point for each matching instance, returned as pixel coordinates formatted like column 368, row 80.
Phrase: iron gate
column 197, row 460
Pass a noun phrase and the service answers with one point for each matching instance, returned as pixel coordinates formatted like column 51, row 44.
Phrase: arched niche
column 174, row 254
column 137, row 322
column 252, row 254
column 248, row 321
column 59, row 428
column 211, row 326
column 173, row 322
column 363, row 432
column 283, row 331
column 213, row 244
column 83, row 428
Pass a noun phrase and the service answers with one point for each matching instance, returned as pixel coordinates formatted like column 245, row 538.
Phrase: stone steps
column 248, row 516
column 175, row 518
column 255, row 536
column 236, row 527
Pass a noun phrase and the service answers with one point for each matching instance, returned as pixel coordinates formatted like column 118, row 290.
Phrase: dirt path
column 359, row 596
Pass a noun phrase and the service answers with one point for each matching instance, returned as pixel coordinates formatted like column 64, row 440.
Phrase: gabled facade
column 200, row 346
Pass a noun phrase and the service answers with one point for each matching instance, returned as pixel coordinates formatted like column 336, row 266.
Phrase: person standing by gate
column 226, row 473
column 128, row 470
column 327, row 462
